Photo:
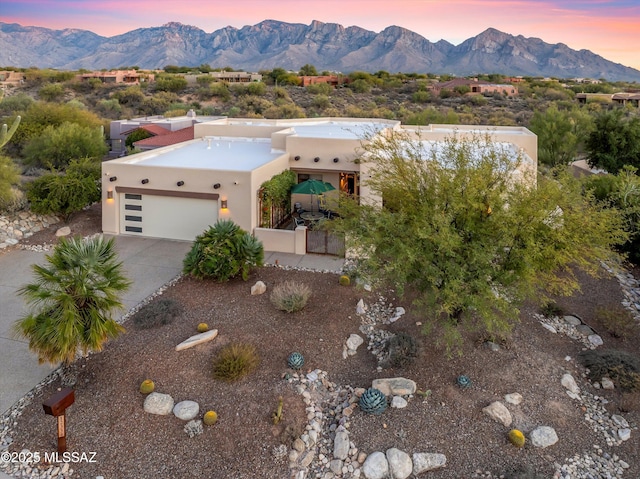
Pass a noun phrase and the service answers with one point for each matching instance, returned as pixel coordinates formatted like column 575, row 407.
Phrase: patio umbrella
column 312, row 187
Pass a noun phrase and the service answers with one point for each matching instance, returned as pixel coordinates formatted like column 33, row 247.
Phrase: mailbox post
column 56, row 406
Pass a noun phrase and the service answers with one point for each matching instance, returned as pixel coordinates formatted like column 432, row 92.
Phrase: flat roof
column 347, row 130
column 210, row 153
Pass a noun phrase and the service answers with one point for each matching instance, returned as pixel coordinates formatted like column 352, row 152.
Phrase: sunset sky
column 608, row 28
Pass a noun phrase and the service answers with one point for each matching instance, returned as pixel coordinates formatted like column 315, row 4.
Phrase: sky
column 608, row 28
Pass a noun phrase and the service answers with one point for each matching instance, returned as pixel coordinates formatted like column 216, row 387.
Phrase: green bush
column 616, row 320
column 620, row 366
column 401, row 349
column 290, row 296
column 551, row 309
column 223, row 252
column 235, row 361
column 68, row 193
column 157, row 313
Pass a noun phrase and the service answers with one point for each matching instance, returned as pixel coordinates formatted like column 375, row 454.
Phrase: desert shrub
column 290, row 296
column 401, row 349
column 157, row 313
column 235, row 361
column 65, row 194
column 616, row 320
column 620, row 366
column 551, row 309
column 223, row 252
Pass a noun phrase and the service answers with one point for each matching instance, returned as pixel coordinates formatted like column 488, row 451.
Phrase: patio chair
column 299, row 221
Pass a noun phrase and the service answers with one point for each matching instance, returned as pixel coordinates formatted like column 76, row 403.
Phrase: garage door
column 169, row 217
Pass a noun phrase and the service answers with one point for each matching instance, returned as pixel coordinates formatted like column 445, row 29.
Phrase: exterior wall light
column 223, row 204
column 216, row 186
column 110, row 194
column 335, row 160
column 297, row 158
column 145, row 181
column 180, row 183
column 316, row 159
column 113, row 178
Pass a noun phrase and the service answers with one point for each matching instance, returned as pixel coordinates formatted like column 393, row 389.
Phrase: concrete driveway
column 149, row 263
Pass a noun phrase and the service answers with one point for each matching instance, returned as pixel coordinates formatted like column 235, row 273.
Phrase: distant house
column 476, row 87
column 119, row 76
column 236, row 77
column 11, row 78
column 161, row 137
column 622, row 98
column 333, row 80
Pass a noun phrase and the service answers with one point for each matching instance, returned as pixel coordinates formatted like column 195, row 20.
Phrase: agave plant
column 223, row 252
column 72, row 298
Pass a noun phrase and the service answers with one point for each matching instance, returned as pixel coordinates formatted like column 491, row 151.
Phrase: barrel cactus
column 463, row 381
column 202, row 328
column 373, row 401
column 210, row 418
column 344, row 280
column 147, row 386
column 295, row 361
column 516, row 438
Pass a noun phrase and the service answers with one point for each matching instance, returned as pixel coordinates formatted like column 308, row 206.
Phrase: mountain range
column 327, row 46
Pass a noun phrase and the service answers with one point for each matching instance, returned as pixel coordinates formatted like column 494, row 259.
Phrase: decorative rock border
column 23, row 224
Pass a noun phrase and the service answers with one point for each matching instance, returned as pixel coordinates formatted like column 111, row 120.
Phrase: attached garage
column 166, row 214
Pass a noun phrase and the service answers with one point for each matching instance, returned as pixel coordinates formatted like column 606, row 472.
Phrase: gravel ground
column 108, row 416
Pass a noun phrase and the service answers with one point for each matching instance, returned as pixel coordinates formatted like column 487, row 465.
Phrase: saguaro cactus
column 6, row 133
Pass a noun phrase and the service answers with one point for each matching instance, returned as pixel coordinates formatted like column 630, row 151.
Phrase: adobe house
column 179, row 190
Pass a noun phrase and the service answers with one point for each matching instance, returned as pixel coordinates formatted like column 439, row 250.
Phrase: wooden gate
column 324, row 242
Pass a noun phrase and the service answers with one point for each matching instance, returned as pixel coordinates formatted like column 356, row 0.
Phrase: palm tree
column 72, row 299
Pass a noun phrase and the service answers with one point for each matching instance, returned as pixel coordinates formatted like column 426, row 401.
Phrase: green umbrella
column 312, row 187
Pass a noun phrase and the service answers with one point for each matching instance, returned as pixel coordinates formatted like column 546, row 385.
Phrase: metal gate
column 324, row 242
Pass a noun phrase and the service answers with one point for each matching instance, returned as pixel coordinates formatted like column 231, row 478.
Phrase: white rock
column 498, row 412
column 376, row 466
column 595, row 340
column 258, row 288
column 543, row 436
column 424, row 461
column 186, row 410
column 549, row 327
column 624, row 434
column 158, row 403
column 399, row 402
column 341, row 445
column 354, row 341
column 619, row 420
column 360, row 307
column 395, row 386
column 400, row 464
column 607, row 383
column 197, row 339
column 569, row 383
column 513, row 398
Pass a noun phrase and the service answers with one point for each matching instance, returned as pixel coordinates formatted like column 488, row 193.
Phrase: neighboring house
column 177, row 191
column 623, row 98
column 11, row 78
column 162, row 137
column 236, row 77
column 133, row 77
column 120, row 129
column 476, row 87
column 333, row 80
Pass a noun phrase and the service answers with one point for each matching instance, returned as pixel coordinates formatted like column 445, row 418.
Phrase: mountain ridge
column 328, row 46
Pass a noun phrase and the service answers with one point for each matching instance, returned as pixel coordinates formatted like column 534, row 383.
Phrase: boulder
column 595, row 339
column 543, row 436
column 395, row 386
column 158, row 403
column 569, row 383
column 376, row 466
column 607, row 383
column 186, row 410
column 399, row 402
column 360, row 307
column 341, row 445
column 498, row 412
column 197, row 339
column 64, row 231
column 400, row 464
column 424, row 461
column 258, row 288
column 572, row 320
